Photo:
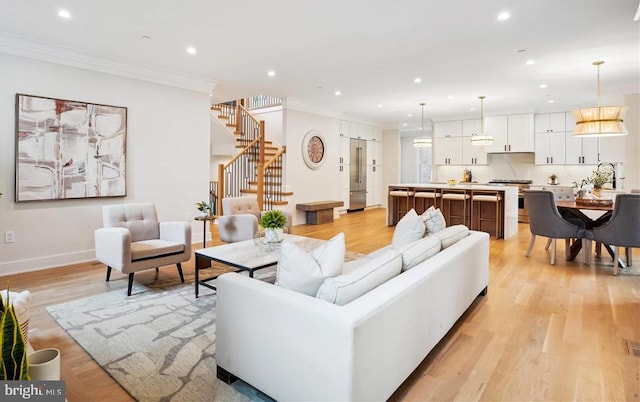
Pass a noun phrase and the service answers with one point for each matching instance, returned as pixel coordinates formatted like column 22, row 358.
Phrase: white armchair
column 133, row 240
column 240, row 217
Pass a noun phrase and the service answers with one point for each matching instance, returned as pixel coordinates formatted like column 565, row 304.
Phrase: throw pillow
column 345, row 288
column 452, row 234
column 418, row 251
column 433, row 220
column 408, row 229
column 304, row 271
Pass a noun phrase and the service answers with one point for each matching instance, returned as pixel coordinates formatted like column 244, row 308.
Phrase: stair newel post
column 220, row 187
column 239, row 117
column 260, row 178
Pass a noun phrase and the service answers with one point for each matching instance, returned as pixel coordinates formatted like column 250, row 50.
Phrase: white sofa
column 295, row 347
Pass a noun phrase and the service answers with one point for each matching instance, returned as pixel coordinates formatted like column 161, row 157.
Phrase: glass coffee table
column 245, row 256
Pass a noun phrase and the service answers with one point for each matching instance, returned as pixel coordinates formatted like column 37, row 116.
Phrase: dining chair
column 545, row 220
column 622, row 229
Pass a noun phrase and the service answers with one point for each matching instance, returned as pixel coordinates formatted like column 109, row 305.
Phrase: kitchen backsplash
column 517, row 166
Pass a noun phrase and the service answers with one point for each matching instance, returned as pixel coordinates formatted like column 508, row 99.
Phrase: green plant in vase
column 203, row 207
column 599, row 178
column 13, row 352
column 553, row 179
column 273, row 222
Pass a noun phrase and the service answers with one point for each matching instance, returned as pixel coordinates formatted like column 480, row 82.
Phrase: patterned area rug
column 158, row 344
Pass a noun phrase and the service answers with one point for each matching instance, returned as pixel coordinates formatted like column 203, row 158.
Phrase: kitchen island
column 508, row 209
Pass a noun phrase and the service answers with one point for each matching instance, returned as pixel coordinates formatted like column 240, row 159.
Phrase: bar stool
column 423, row 199
column 403, row 196
column 459, row 196
column 482, row 197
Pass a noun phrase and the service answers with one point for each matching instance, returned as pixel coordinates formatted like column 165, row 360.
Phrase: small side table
column 205, row 219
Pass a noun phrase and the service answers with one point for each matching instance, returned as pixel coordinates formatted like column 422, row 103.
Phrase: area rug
column 158, row 344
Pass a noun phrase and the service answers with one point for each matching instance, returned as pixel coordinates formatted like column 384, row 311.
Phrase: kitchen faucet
column 613, row 168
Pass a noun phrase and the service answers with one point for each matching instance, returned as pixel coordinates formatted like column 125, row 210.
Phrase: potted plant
column 553, row 178
column 13, row 348
column 598, row 179
column 273, row 222
column 204, row 208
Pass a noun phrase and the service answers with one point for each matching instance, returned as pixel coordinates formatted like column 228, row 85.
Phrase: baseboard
column 47, row 261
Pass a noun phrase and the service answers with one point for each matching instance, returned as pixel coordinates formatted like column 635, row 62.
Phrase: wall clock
column 313, row 149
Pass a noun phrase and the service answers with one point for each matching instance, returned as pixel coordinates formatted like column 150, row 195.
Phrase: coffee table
column 245, row 256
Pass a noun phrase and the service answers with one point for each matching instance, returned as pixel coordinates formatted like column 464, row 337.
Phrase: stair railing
column 273, row 176
column 234, row 176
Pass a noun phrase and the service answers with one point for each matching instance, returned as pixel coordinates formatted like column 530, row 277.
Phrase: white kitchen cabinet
column 345, row 128
column 581, row 151
column 470, row 127
column 447, row 151
column 357, row 130
column 374, row 186
column 345, row 150
column 374, row 153
column 550, row 148
column 496, row 127
column 550, row 123
column 473, row 154
column 376, row 134
column 448, row 128
column 343, row 178
column 613, row 149
column 520, row 133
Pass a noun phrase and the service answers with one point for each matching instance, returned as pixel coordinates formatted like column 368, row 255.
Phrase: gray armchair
column 133, row 240
column 240, row 217
column 622, row 228
column 545, row 220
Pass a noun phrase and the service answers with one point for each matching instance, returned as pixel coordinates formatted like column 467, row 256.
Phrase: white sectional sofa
column 293, row 346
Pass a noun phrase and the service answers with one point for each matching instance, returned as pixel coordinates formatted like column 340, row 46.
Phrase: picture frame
column 69, row 149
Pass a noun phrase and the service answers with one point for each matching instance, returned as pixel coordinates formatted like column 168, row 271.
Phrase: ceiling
column 370, row 50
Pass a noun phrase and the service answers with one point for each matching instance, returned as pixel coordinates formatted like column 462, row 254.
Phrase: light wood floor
column 542, row 333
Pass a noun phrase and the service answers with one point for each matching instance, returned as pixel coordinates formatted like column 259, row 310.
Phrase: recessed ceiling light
column 338, row 93
column 409, row 115
column 551, row 101
column 472, row 109
column 417, row 80
column 192, row 50
column 405, row 124
column 505, row 15
column 379, row 105
column 530, row 62
column 543, row 85
column 450, row 97
column 271, row 73
column 64, row 14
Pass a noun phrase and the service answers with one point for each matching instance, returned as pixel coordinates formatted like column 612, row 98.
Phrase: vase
column 44, row 365
column 596, row 192
column 273, row 235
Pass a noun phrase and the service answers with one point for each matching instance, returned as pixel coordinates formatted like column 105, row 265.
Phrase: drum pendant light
column 599, row 121
column 422, row 141
column 482, row 138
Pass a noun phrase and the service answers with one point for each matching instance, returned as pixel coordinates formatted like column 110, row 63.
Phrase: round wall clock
column 313, row 149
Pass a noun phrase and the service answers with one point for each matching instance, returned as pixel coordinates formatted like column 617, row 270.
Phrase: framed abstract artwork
column 69, row 150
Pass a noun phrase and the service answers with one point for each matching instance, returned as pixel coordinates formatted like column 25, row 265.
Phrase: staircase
column 258, row 166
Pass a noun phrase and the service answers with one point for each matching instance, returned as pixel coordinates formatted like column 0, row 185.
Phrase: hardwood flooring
column 543, row 332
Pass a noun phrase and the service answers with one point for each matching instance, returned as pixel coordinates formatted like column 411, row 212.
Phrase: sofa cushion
column 433, row 220
column 342, row 289
column 154, row 248
column 418, row 251
column 408, row 229
column 451, row 235
column 304, row 271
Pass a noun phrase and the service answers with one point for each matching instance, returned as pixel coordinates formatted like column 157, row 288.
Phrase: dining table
column 575, row 209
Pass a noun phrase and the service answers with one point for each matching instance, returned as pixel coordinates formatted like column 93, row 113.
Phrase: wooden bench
column 319, row 212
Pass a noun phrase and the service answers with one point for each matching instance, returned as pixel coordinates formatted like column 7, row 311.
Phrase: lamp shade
column 481, row 139
column 422, row 142
column 602, row 121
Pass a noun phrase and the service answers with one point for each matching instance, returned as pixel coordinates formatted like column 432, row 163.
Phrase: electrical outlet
column 9, row 236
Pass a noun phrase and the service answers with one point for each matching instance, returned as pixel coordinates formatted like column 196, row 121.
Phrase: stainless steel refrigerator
column 358, row 175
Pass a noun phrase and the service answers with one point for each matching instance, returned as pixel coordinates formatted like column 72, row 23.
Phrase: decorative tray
column 593, row 201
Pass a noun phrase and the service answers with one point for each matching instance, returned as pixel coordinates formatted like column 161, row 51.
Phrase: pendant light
column 482, row 138
column 600, row 121
column 422, row 141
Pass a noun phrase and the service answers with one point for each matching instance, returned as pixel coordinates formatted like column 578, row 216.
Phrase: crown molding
column 302, row 106
column 24, row 47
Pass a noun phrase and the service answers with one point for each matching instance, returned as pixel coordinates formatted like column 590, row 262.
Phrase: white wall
column 308, row 184
column 632, row 122
column 167, row 160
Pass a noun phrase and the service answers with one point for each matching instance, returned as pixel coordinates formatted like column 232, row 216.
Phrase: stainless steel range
column 523, row 214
